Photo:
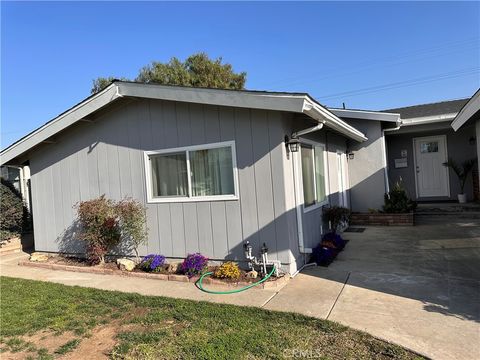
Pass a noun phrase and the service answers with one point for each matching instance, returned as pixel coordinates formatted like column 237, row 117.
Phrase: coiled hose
column 199, row 284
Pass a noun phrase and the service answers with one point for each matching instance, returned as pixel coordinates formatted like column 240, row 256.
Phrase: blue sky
column 375, row 55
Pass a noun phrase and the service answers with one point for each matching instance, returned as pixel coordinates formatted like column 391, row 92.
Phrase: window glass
column 212, row 172
column 308, row 175
column 320, row 174
column 193, row 172
column 429, row 147
column 313, row 174
column 169, row 175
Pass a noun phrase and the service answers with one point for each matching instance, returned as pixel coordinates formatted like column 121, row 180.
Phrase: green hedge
column 14, row 216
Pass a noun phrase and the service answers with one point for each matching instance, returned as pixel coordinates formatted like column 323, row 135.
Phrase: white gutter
column 321, row 114
column 365, row 114
column 428, row 119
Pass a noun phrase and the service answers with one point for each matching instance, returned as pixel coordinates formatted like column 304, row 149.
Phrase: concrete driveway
column 415, row 286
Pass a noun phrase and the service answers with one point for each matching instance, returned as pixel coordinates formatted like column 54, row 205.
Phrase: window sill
column 314, row 207
column 192, row 199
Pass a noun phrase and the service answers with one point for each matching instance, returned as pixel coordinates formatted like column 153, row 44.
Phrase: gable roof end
column 467, row 112
column 289, row 102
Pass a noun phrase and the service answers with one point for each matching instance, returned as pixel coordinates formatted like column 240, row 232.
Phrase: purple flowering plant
column 194, row 264
column 153, row 263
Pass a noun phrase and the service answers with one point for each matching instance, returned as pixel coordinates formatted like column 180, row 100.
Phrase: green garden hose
column 200, row 285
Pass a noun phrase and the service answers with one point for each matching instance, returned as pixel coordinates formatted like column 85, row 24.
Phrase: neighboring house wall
column 106, row 157
column 459, row 148
column 366, row 169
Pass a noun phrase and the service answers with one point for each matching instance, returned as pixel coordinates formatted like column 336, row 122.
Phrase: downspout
column 298, row 203
column 384, row 155
column 23, row 185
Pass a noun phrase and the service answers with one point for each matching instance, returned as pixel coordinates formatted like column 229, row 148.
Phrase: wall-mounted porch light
column 292, row 144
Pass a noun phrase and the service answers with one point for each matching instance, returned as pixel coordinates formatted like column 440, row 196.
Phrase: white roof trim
column 296, row 103
column 321, row 114
column 428, row 119
column 470, row 108
column 59, row 123
column 366, row 115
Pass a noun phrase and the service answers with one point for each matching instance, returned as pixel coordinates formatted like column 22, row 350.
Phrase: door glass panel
column 308, row 175
column 429, row 147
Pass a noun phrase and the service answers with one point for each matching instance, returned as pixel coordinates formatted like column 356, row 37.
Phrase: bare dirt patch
column 96, row 344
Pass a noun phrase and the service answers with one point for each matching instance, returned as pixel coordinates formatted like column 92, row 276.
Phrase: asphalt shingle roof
column 438, row 108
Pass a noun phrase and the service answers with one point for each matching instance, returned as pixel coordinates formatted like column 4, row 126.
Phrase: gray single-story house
column 214, row 168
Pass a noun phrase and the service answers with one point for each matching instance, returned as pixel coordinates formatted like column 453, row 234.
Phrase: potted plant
column 337, row 217
column 462, row 171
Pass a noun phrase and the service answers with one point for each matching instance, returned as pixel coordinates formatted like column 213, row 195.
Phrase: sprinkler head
column 264, row 249
column 247, row 248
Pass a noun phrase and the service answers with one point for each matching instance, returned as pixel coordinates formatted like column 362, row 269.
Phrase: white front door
column 430, row 175
column 342, row 180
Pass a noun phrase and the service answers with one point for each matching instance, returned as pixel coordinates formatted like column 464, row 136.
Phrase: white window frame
column 189, row 197
column 316, row 205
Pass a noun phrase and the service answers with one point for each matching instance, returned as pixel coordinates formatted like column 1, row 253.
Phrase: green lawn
column 146, row 327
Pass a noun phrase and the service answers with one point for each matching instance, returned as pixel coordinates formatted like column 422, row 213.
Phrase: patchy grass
column 156, row 327
column 68, row 347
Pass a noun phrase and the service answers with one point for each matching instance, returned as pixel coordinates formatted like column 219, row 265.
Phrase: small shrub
column 228, row 270
column 133, row 218
column 14, row 216
column 100, row 228
column 194, row 264
column 397, row 200
column 336, row 215
column 105, row 223
column 152, row 263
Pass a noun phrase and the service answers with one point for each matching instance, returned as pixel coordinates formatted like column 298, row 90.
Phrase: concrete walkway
column 418, row 287
column 9, row 267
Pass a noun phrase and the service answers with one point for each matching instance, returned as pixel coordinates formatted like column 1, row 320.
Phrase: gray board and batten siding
column 106, row 156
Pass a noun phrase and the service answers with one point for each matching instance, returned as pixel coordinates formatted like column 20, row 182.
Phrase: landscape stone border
column 277, row 283
column 382, row 219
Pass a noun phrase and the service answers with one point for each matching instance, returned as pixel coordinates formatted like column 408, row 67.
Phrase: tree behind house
column 197, row 70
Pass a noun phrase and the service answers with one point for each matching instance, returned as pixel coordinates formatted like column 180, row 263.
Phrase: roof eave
column 321, row 114
column 251, row 100
column 60, row 123
column 295, row 103
column 428, row 119
column 366, row 115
